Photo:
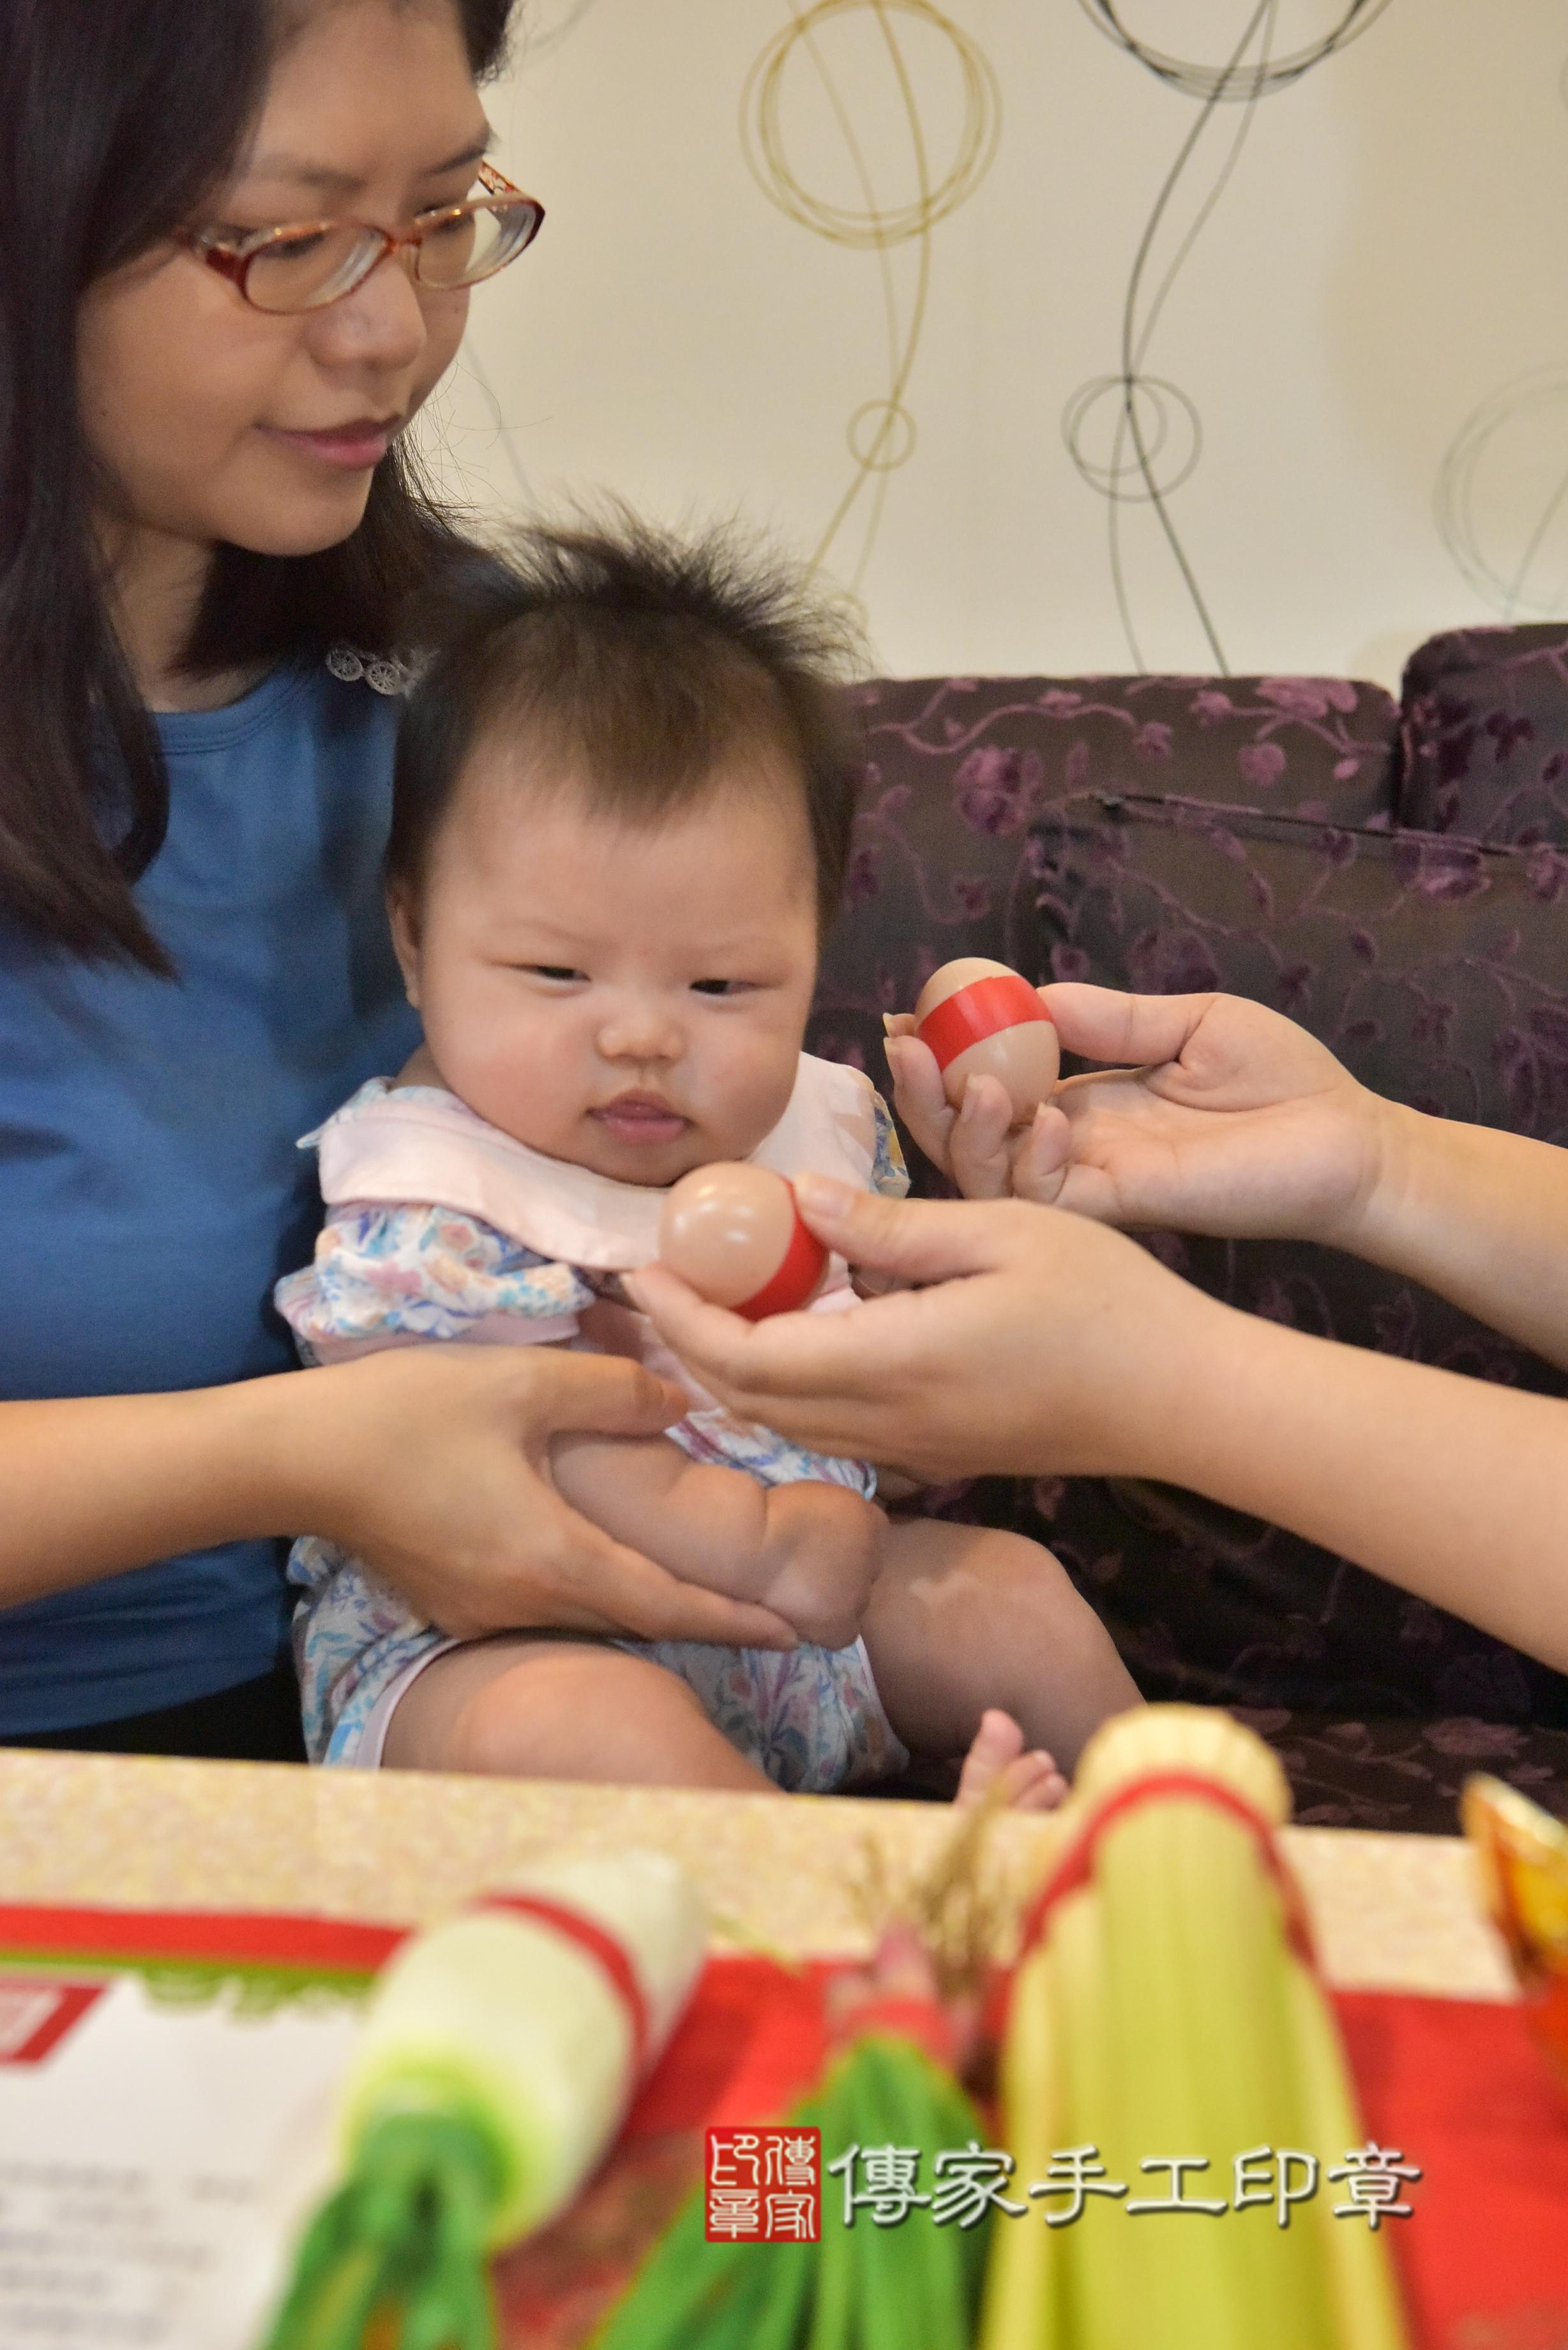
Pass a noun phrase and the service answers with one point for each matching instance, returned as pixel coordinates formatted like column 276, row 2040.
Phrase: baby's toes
column 1032, row 1784
column 998, row 1743
column 997, row 1771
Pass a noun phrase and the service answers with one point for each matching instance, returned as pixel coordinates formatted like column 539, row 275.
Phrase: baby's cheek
column 513, row 1073
column 751, row 1091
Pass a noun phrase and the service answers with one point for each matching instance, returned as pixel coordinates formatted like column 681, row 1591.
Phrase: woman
column 206, row 494
column 1050, row 1346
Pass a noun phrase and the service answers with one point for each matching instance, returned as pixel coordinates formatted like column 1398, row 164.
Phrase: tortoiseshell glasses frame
column 309, row 264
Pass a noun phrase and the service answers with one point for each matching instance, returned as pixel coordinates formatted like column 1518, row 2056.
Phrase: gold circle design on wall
column 881, row 432
column 882, row 435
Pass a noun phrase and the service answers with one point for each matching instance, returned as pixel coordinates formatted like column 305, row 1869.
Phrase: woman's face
column 217, row 422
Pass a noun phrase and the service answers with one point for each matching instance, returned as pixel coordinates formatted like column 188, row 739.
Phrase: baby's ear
column 403, row 913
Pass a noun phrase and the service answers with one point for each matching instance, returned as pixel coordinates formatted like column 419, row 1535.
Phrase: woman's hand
column 432, row 1464
column 987, row 1157
column 1051, row 1346
column 1233, row 1121
column 1055, row 1346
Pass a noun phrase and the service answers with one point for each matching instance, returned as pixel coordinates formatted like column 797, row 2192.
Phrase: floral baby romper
column 440, row 1227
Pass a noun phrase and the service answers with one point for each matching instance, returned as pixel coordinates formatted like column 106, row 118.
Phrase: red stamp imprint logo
column 762, row 2186
column 35, row 2016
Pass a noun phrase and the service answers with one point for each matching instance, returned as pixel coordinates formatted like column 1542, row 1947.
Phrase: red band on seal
column 970, row 1014
column 799, row 1271
column 589, row 1936
column 1076, row 1869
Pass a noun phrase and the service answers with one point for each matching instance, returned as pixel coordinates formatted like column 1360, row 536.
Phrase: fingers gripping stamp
column 980, row 1019
column 736, row 1235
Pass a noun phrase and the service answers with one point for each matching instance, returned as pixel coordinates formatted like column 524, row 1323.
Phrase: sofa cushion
column 1434, row 968
column 1486, row 735
column 960, row 767
column 1003, row 747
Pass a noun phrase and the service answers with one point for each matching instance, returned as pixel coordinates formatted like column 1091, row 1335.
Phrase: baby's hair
column 641, row 662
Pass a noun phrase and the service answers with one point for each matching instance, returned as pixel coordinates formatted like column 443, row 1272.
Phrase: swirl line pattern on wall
column 1230, row 81
column 1157, row 434
column 881, row 432
column 1466, row 485
column 1463, row 491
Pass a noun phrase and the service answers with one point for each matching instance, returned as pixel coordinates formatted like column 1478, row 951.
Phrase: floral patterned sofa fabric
column 1298, row 745
column 1486, row 735
column 958, row 768
column 1406, row 1775
column 1433, row 965
column 1434, row 968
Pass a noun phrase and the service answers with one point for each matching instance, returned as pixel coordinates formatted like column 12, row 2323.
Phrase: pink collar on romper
column 419, row 1143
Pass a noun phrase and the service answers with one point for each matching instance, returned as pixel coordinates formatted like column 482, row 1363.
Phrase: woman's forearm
column 425, row 1461
column 1478, row 1216
column 97, row 1485
column 1034, row 1343
column 1450, row 1487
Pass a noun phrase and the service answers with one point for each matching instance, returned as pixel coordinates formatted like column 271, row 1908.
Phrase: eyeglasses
column 312, row 262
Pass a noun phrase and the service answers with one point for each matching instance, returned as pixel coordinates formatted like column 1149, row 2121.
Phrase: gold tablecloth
column 1390, row 1912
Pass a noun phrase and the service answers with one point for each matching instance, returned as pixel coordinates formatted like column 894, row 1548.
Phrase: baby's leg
column 519, row 1708
column 964, row 1620
column 810, row 1551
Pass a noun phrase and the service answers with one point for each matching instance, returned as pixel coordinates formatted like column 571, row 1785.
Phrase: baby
column 624, row 802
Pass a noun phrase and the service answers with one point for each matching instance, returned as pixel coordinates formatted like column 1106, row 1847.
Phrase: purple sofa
column 1395, row 877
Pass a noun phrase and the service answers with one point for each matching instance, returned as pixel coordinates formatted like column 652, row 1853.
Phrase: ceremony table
column 187, row 1874
column 1389, row 1912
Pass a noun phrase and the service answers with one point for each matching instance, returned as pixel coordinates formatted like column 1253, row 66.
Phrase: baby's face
column 628, row 998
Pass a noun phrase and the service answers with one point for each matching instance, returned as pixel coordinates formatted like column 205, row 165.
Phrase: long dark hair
column 117, row 119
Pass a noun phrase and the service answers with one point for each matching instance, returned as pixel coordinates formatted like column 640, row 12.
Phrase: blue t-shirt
column 150, row 1192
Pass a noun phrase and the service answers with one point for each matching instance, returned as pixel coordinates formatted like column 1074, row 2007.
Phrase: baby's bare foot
column 997, row 1771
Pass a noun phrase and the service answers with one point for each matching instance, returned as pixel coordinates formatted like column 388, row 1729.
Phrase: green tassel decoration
column 404, row 2239
column 911, row 2287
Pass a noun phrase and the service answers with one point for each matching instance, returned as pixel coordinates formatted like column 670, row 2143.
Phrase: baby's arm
column 809, row 1551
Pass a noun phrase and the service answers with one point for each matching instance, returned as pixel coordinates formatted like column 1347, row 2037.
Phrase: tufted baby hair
column 643, row 665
